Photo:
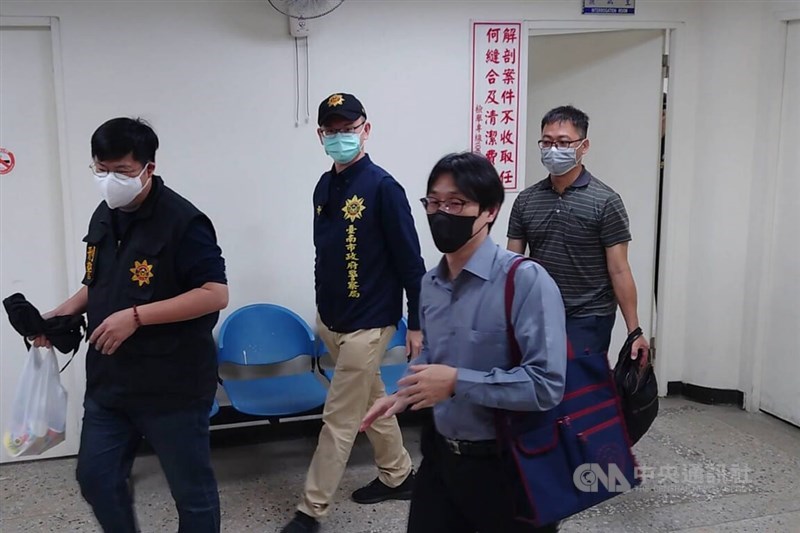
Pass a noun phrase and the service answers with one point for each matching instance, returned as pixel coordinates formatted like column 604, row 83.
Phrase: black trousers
column 462, row 494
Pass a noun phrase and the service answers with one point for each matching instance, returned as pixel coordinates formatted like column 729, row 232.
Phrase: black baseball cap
column 342, row 105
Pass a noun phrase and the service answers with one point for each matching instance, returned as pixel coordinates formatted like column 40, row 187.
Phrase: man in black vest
column 153, row 287
column 367, row 253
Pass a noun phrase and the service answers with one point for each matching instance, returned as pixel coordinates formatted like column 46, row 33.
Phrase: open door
column 616, row 78
column 780, row 375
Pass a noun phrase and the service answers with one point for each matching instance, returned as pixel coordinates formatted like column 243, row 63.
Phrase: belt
column 474, row 448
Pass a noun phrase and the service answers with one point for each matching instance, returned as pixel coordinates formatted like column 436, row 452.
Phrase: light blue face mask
column 559, row 162
column 342, row 147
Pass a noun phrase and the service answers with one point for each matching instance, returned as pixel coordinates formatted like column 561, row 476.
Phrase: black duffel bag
column 637, row 388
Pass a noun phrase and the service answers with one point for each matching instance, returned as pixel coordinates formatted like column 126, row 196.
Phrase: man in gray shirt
column 576, row 227
column 464, row 370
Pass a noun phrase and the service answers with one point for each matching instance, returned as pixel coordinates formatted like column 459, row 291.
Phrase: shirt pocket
column 581, row 231
column 144, row 272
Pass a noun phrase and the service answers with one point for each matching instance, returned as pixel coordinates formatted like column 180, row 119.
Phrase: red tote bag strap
column 513, row 345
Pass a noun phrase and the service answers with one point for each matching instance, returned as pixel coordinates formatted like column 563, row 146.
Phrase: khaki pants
column 356, row 386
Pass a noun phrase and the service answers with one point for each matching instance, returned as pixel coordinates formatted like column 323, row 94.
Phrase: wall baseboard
column 706, row 395
column 272, row 429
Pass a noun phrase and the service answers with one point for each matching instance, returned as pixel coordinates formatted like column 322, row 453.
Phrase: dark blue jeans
column 109, row 441
column 590, row 334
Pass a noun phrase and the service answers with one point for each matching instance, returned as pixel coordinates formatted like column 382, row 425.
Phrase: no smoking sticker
column 6, row 161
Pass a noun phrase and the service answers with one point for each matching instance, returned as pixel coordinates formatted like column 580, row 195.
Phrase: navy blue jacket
column 367, row 250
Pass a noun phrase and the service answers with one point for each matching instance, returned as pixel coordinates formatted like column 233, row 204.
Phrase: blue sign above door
column 609, row 7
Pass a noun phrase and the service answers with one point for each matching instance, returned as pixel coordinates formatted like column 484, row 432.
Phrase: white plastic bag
column 39, row 413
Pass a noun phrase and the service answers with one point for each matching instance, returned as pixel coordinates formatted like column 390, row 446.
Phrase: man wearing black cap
column 367, row 253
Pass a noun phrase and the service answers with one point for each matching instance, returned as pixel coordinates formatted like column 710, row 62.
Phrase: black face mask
column 450, row 232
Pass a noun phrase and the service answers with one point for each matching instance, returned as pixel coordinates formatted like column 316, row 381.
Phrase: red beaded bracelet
column 136, row 317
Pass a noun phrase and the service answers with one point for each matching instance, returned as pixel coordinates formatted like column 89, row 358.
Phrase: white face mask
column 119, row 190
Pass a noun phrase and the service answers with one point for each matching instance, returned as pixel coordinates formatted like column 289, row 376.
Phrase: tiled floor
column 713, row 469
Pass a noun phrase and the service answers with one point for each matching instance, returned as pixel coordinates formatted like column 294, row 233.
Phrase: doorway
column 616, row 77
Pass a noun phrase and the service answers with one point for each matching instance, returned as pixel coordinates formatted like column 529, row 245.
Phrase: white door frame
column 667, row 304
column 72, row 378
column 774, row 123
column 61, row 126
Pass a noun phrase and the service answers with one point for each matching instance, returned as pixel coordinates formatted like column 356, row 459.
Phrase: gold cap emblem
column 335, row 100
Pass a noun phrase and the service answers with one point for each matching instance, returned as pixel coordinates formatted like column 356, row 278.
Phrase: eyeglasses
column 564, row 144
column 453, row 206
column 330, row 132
column 120, row 175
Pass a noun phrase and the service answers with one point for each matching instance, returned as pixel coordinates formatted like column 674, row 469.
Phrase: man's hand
column 383, row 408
column 428, row 385
column 413, row 343
column 41, row 341
column 76, row 305
column 114, row 330
column 642, row 345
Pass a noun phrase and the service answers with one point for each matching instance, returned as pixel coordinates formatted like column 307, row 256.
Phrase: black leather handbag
column 638, row 390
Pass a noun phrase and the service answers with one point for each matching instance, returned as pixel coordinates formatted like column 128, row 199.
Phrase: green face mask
column 343, row 147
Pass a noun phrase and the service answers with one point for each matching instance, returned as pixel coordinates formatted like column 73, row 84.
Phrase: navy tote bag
column 575, row 455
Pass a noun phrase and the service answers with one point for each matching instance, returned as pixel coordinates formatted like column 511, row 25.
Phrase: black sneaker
column 301, row 523
column 377, row 492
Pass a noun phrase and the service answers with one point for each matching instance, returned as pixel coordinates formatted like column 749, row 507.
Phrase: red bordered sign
column 495, row 113
column 7, row 161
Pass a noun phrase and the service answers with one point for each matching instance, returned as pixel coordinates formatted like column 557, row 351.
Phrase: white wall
column 216, row 80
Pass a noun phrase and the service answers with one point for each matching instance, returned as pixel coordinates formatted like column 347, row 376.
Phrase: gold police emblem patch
column 335, row 100
column 142, row 272
column 91, row 257
column 353, row 208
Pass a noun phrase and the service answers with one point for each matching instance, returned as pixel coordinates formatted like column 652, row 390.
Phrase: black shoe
column 377, row 492
column 301, row 523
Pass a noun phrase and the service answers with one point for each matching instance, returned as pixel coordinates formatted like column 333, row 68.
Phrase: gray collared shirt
column 569, row 233
column 463, row 322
